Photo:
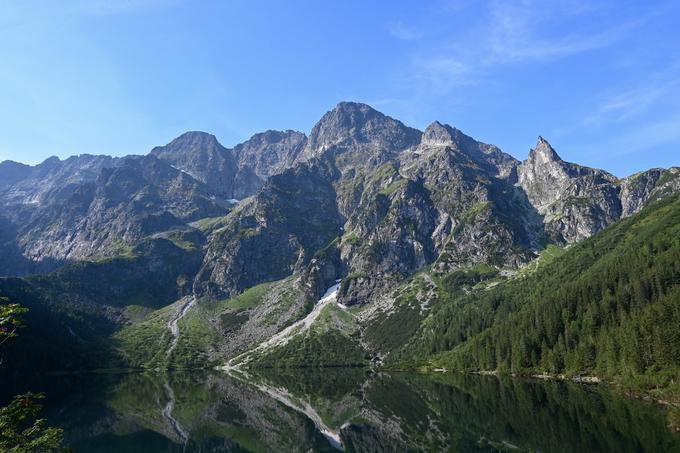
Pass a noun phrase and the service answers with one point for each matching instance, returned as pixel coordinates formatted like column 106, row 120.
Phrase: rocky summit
column 201, row 255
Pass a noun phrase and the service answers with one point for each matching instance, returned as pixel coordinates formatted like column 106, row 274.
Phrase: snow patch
column 183, row 171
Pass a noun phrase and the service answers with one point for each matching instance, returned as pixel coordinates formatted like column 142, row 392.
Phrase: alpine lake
column 345, row 409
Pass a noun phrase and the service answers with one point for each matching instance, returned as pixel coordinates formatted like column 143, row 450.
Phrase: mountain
column 87, row 214
column 232, row 173
column 12, row 172
column 264, row 155
column 353, row 127
column 335, row 248
column 203, row 157
column 606, row 307
column 273, row 234
column 88, row 206
column 578, row 201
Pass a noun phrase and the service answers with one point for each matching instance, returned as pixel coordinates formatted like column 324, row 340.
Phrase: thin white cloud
column 509, row 48
column 511, row 33
column 647, row 136
column 403, row 32
column 654, row 94
column 530, row 30
column 619, row 107
column 442, row 72
column 644, row 117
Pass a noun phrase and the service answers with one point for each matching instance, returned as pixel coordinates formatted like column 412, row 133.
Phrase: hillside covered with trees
column 609, row 307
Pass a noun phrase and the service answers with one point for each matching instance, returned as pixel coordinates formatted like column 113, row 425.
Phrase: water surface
column 344, row 410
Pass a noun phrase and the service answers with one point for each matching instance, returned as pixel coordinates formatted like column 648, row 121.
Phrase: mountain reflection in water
column 330, row 410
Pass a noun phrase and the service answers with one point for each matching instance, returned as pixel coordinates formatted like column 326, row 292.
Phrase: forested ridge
column 610, row 307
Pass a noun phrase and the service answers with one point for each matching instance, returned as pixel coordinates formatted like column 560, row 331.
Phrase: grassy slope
column 201, row 330
column 145, row 343
column 331, row 341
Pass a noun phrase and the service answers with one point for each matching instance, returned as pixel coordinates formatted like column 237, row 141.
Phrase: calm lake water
column 346, row 410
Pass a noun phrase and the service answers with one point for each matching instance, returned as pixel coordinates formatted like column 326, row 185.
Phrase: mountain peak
column 350, row 114
column 50, row 162
column 439, row 134
column 195, row 138
column 188, row 143
column 272, row 136
column 544, row 152
column 353, row 124
column 348, row 106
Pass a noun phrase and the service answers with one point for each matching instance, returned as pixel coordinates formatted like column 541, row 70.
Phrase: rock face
column 357, row 127
column 446, row 202
column 135, row 198
column 232, row 173
column 153, row 274
column 395, row 199
column 364, row 199
column 640, row 189
column 60, row 211
column 272, row 234
column 262, row 156
column 577, row 201
column 49, row 189
column 204, row 158
column 51, row 180
column 12, row 172
column 489, row 157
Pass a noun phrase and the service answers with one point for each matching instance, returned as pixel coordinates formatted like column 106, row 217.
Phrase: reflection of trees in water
column 371, row 412
column 474, row 411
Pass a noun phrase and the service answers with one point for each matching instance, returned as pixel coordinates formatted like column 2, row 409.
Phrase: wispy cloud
column 650, row 135
column 442, row 72
column 528, row 30
column 640, row 117
column 513, row 32
column 621, row 106
column 403, row 32
column 644, row 138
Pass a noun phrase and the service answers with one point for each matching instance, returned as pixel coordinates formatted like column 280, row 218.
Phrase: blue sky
column 599, row 80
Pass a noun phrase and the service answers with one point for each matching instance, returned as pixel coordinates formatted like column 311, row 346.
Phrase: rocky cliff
column 364, row 199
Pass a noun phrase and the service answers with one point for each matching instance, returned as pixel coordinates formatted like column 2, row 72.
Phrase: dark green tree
column 21, row 431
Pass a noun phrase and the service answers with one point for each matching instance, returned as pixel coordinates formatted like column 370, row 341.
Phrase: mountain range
column 364, row 242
